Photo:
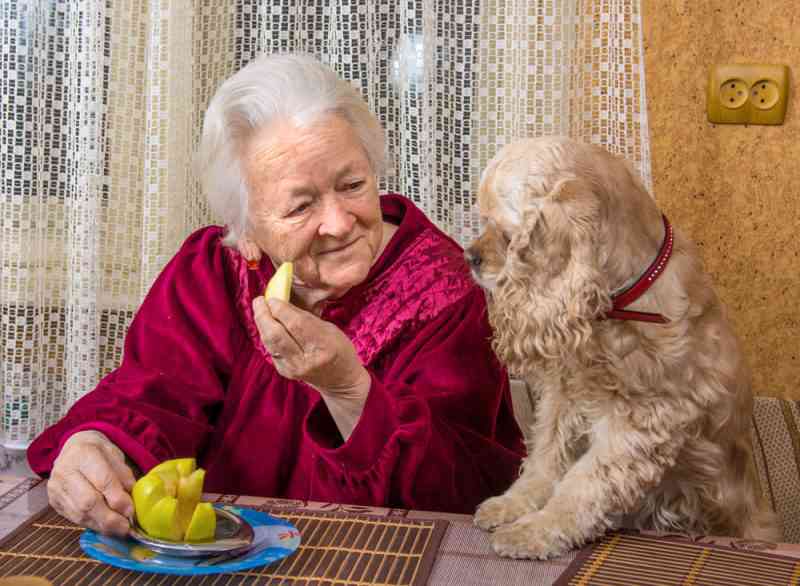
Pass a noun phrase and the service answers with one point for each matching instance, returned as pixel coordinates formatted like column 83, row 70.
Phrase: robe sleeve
column 437, row 431
column 178, row 352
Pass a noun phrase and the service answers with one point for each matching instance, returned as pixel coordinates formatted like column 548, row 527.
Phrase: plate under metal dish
column 233, row 534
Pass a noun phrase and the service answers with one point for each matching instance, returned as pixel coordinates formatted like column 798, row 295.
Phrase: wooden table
column 464, row 556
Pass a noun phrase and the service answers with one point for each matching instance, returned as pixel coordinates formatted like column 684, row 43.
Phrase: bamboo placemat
column 337, row 548
column 621, row 559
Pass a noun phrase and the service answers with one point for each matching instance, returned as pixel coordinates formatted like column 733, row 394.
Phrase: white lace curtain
column 102, row 104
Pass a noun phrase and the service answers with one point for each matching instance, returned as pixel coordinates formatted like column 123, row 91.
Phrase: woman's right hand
column 90, row 484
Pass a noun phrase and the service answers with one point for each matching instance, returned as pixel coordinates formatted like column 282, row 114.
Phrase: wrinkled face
column 314, row 200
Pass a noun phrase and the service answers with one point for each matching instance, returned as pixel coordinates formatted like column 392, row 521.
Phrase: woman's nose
column 337, row 220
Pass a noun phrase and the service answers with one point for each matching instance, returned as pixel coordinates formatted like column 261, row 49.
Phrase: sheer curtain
column 562, row 67
column 102, row 106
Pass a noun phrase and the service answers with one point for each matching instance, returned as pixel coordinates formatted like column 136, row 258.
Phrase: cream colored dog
column 641, row 423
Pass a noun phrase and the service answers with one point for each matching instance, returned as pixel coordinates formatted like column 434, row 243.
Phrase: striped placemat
column 337, row 548
column 622, row 559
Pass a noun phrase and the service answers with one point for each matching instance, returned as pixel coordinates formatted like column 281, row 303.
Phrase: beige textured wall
column 734, row 189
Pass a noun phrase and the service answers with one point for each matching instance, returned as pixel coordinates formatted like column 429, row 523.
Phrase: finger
column 65, row 504
column 267, row 325
column 283, row 311
column 124, row 474
column 122, row 471
column 101, row 473
column 260, row 308
column 55, row 495
column 118, row 497
column 300, row 325
column 110, row 522
column 277, row 340
column 86, row 506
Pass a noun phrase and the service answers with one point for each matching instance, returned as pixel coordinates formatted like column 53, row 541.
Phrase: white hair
column 292, row 87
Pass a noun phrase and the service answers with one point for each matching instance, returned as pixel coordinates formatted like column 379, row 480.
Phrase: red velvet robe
column 437, row 431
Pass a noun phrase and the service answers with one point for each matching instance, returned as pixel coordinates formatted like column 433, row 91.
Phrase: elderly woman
column 377, row 383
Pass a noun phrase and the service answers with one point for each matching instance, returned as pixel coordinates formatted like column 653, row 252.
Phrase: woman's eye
column 353, row 185
column 299, row 209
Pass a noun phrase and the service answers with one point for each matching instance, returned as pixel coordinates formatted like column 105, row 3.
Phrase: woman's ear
column 250, row 251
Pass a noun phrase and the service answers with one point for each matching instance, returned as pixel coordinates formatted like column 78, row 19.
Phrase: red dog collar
column 627, row 296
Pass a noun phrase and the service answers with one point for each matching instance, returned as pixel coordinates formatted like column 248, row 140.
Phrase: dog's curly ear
column 580, row 201
column 588, row 295
column 589, row 299
column 566, row 188
column 549, row 306
column 530, row 209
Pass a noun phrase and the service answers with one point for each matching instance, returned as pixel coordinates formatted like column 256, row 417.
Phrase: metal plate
column 233, row 534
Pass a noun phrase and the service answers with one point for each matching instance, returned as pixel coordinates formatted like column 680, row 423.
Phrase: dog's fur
column 637, row 424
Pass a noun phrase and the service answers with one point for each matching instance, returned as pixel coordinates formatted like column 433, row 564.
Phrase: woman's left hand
column 304, row 347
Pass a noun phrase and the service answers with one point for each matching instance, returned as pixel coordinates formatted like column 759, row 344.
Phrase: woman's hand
column 304, row 347
column 90, row 484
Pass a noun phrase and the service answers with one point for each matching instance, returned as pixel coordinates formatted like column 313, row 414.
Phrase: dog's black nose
column 473, row 258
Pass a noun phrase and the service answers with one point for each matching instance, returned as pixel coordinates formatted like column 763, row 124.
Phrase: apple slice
column 167, row 502
column 280, row 285
column 202, row 524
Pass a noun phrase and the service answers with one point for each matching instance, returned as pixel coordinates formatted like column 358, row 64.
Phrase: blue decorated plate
column 273, row 539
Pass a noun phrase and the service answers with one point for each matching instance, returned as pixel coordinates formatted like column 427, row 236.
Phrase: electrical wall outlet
column 743, row 93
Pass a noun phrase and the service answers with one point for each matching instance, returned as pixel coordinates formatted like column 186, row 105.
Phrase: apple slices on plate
column 167, row 502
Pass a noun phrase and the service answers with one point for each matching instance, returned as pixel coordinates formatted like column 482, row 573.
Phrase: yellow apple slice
column 203, row 523
column 280, row 285
column 181, row 466
column 167, row 498
column 190, row 489
column 161, row 520
column 147, row 491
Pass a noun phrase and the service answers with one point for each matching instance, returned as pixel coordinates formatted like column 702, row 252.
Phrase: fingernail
column 252, row 264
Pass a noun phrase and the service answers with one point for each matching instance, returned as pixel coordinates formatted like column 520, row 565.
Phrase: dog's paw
column 531, row 537
column 500, row 510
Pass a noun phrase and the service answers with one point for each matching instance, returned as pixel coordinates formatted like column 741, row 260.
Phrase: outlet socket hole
column 765, row 94
column 733, row 93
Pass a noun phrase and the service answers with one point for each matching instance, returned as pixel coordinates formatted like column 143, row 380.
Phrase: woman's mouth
column 340, row 248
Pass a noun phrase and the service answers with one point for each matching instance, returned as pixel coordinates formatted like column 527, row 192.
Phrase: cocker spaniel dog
column 644, row 404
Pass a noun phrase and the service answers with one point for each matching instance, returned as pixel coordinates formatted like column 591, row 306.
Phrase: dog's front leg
column 612, row 477
column 542, row 469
